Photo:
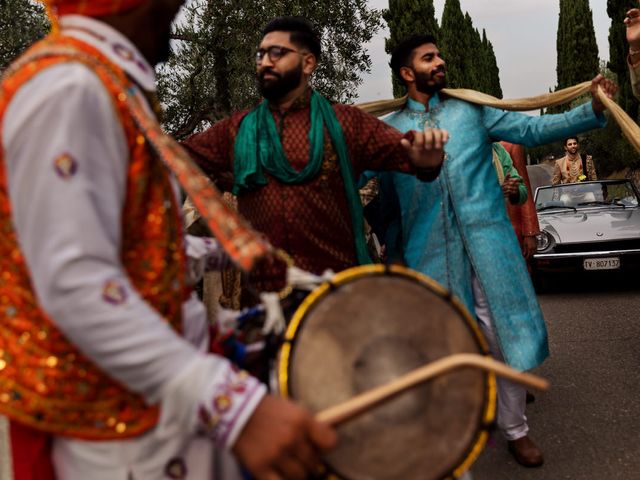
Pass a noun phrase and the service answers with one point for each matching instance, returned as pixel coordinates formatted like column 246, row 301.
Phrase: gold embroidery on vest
column 45, row 382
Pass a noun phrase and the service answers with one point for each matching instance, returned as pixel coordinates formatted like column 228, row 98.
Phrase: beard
column 428, row 83
column 277, row 88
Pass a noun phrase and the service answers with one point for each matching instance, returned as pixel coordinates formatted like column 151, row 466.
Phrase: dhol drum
column 370, row 325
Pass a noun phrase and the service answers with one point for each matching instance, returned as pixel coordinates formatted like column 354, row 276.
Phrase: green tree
column 609, row 148
column 476, row 78
column 611, row 151
column 454, row 46
column 614, row 150
column 406, row 18
column 491, row 66
column 471, row 61
column 212, row 73
column 616, row 9
column 22, row 22
column 621, row 153
column 576, row 44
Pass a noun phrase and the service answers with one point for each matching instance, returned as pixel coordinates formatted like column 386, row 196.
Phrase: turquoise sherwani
column 459, row 224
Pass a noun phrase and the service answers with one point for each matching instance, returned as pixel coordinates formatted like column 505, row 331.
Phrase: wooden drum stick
column 366, row 401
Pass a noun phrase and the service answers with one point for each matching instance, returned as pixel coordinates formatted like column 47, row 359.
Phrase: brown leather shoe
column 526, row 452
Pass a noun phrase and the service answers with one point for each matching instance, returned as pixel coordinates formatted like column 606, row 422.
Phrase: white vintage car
column 587, row 226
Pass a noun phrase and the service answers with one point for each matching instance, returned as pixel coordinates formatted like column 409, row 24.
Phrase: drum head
column 370, row 326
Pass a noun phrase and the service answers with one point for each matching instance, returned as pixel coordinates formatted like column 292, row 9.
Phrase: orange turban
column 93, row 8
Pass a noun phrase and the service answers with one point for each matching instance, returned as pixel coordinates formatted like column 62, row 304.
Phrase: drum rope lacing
column 270, row 306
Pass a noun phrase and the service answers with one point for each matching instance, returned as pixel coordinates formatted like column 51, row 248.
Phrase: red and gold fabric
column 573, row 169
column 45, row 382
column 523, row 217
column 93, row 8
column 309, row 221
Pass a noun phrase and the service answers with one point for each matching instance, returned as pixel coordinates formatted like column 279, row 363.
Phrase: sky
column 523, row 34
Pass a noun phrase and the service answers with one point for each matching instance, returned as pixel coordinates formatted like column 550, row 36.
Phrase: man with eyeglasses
column 104, row 373
column 294, row 160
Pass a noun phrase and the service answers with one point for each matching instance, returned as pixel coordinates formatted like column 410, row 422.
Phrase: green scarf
column 258, row 147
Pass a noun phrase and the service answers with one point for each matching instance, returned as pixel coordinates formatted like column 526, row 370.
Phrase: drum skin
column 369, row 326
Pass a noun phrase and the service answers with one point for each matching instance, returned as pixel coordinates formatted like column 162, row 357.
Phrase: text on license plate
column 607, row 263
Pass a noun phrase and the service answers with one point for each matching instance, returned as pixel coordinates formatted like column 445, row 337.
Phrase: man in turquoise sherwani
column 456, row 229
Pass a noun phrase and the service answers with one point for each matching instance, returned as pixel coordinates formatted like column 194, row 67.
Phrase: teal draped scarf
column 258, row 148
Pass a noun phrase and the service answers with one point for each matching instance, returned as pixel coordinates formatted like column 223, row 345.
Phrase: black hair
column 402, row 55
column 303, row 33
column 570, row 138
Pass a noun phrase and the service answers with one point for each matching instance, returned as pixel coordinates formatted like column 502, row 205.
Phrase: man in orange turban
column 102, row 341
column 93, row 8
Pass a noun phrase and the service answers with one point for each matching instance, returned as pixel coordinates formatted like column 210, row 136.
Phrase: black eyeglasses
column 275, row 53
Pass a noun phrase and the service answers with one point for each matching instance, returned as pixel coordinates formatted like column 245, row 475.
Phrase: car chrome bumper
column 572, row 262
column 596, row 254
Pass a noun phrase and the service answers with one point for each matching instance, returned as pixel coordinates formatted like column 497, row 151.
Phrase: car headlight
column 544, row 241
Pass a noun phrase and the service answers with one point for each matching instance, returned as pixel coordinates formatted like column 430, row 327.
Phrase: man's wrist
column 428, row 174
column 225, row 410
column 598, row 106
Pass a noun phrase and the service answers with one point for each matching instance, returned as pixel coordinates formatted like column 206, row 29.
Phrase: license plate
column 607, row 263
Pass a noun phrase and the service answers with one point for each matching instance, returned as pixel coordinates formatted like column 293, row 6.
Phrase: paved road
column 588, row 424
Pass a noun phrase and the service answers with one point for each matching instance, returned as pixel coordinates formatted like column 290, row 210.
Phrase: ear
column 407, row 74
column 309, row 64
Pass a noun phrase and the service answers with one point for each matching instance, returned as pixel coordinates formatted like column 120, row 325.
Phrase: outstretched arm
column 377, row 146
column 531, row 131
column 212, row 150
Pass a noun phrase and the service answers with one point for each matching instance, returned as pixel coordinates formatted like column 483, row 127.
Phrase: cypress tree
column 619, row 151
column 473, row 48
column 576, row 44
column 491, row 65
column 406, row 18
column 454, row 45
column 471, row 61
column 616, row 9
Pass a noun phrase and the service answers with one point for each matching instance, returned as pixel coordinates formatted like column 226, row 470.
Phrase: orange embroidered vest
column 45, row 382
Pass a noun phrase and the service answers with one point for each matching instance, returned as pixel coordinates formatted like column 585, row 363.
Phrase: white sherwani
column 69, row 228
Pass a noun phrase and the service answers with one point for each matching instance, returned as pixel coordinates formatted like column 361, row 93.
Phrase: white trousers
column 512, row 397
column 144, row 458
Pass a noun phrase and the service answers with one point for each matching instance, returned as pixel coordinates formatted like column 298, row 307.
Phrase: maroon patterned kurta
column 310, row 221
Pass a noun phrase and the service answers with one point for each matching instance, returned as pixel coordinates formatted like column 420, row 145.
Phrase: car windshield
column 584, row 195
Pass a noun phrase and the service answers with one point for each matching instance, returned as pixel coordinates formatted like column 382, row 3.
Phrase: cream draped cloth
column 629, row 128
